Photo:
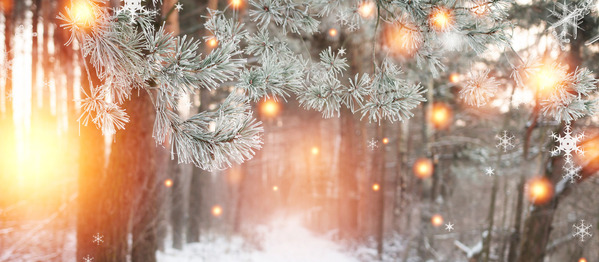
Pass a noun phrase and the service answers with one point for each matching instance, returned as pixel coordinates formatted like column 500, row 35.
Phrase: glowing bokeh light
column 423, row 168
column 236, row 4
column 168, row 183
column 440, row 115
column 217, row 211
column 366, row 9
column 333, row 32
column 84, row 13
column 548, row 79
column 437, row 220
column 539, row 190
column 275, row 188
column 212, row 42
column 454, row 78
column 441, row 19
column 385, row 140
column 270, row 108
column 401, row 39
column 582, row 259
column 315, row 150
column 376, row 187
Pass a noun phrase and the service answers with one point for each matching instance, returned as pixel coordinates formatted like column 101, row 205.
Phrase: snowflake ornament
column 569, row 17
column 372, row 144
column 179, row 7
column 489, row 171
column 98, row 239
column 505, row 141
column 582, row 231
column 133, row 7
column 567, row 144
column 88, row 259
column 449, row 226
column 572, row 172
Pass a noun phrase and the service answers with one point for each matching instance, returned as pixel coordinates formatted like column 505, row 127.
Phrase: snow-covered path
column 285, row 241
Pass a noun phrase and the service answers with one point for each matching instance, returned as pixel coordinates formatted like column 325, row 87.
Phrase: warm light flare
column 168, row 183
column 333, row 32
column 376, row 187
column 385, row 140
column 270, row 108
column 582, row 259
column 236, row 4
column 437, row 220
column 402, row 39
column 212, row 42
column 84, row 13
column 366, row 9
column 315, row 150
column 423, row 168
column 591, row 152
column 217, row 211
column 539, row 190
column 441, row 19
column 440, row 115
column 454, row 78
column 548, row 79
column 275, row 188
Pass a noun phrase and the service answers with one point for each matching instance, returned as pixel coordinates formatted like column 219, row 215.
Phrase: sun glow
column 547, row 79
column 366, row 9
column 539, row 190
column 440, row 116
column 270, row 108
column 84, row 13
column 423, row 168
column 437, row 220
column 441, row 19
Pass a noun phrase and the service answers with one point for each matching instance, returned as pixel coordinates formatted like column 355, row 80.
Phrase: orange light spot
column 315, row 150
column 401, row 39
column 540, row 190
column 84, row 13
column 217, row 210
column 270, row 108
column 212, row 42
column 333, row 32
column 548, row 79
column 385, row 140
column 437, row 220
column 366, row 9
column 376, row 187
column 454, row 78
column 236, row 4
column 440, row 116
column 423, row 168
column 168, row 182
column 441, row 19
column 582, row 259
column 275, row 188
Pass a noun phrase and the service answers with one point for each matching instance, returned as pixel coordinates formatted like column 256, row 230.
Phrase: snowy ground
column 283, row 241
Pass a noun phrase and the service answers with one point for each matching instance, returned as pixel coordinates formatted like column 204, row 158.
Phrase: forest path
column 284, row 240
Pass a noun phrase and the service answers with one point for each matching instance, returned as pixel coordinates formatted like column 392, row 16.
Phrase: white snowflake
column 98, row 239
column 132, row 6
column 372, row 144
column 568, row 16
column 479, row 88
column 572, row 172
column 567, row 144
column 341, row 51
column 581, row 231
column 179, row 6
column 489, row 171
column 505, row 141
column 449, row 226
column 88, row 258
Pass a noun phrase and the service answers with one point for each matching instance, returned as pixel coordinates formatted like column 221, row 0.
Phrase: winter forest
column 299, row 130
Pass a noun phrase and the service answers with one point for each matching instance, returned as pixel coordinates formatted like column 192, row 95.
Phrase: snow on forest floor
column 285, row 241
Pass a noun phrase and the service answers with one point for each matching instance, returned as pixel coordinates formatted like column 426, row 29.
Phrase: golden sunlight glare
column 441, row 19
column 539, row 190
column 366, row 9
column 212, row 42
column 547, row 79
column 582, row 259
column 333, row 32
column 84, row 12
column 236, row 4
